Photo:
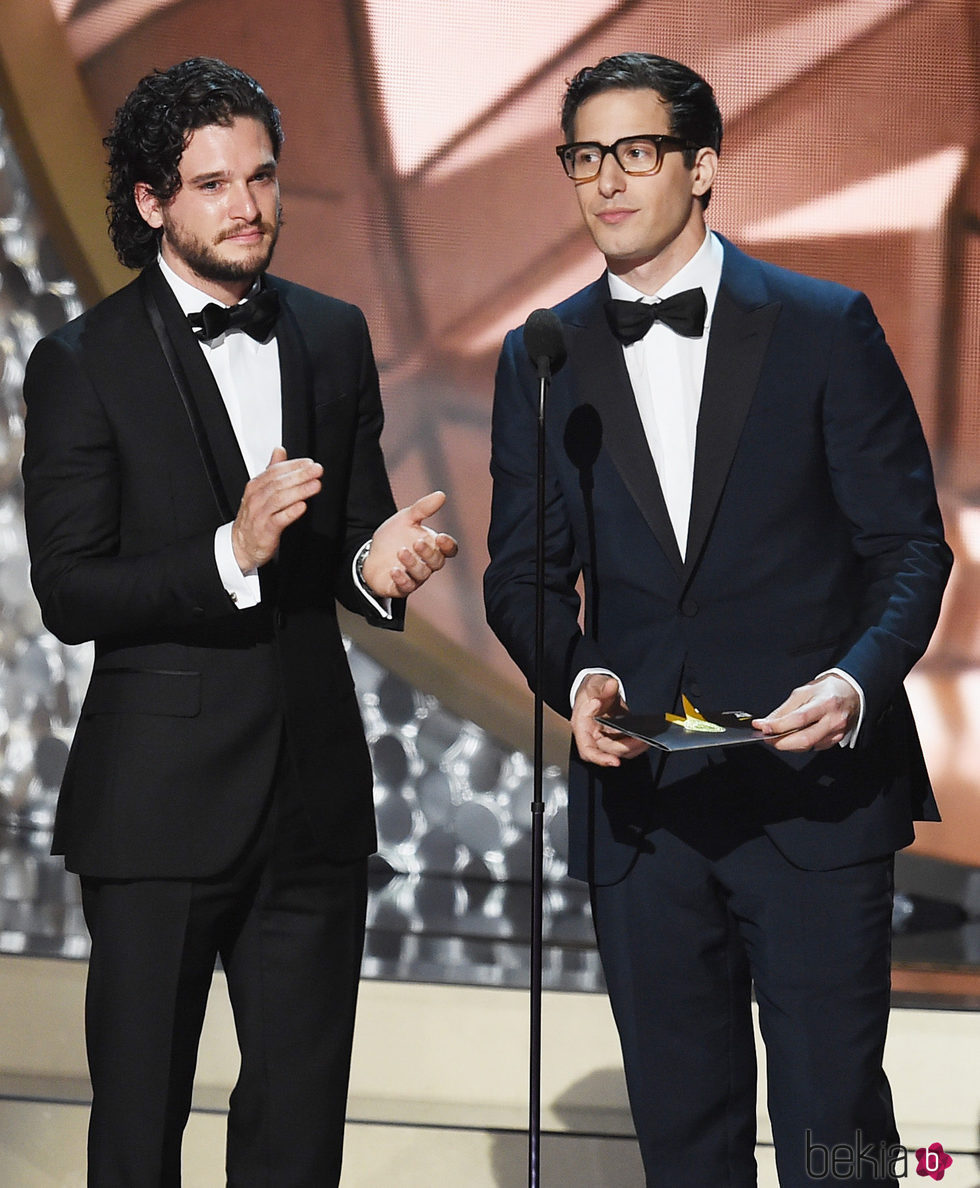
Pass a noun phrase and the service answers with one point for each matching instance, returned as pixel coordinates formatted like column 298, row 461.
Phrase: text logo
column 848, row 1161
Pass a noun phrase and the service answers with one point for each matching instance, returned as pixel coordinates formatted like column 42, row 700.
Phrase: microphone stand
column 537, row 803
column 545, row 345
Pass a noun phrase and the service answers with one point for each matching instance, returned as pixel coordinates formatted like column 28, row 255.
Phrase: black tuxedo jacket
column 179, row 735
column 815, row 541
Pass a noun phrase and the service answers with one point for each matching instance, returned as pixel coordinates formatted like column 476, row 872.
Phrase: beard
column 203, row 258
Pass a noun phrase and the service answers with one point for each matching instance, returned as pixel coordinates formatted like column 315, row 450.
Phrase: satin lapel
column 203, row 390
column 605, row 383
column 741, row 326
column 296, row 381
column 296, row 385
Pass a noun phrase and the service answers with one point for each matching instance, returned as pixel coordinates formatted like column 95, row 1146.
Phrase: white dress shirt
column 667, row 373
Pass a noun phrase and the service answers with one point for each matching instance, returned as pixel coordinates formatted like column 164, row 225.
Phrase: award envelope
column 692, row 732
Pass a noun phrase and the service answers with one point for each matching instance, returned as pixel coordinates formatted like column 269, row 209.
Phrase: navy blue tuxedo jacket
column 179, row 735
column 815, row 541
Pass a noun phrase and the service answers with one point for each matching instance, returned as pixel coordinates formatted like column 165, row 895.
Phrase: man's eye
column 586, row 156
column 639, row 151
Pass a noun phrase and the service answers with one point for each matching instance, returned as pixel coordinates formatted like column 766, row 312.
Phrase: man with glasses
column 736, row 471
column 203, row 481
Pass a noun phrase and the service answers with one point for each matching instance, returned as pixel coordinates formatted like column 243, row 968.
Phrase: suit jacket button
column 198, row 612
column 689, row 608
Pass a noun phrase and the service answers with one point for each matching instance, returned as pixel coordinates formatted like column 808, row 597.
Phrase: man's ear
column 703, row 174
column 148, row 204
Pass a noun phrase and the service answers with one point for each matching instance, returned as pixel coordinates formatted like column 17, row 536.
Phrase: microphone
column 544, row 341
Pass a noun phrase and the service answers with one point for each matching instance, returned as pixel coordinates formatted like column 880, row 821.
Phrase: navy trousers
column 710, row 910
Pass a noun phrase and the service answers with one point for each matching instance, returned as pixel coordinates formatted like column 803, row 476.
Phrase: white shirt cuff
column 849, row 739
column 588, row 672
column 381, row 605
column 243, row 588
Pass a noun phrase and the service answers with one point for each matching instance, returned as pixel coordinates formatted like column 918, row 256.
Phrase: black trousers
column 710, row 910
column 289, row 928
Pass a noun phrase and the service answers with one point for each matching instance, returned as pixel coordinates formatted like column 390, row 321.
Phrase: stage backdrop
column 419, row 181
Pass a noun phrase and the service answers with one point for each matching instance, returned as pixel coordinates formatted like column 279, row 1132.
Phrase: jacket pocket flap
column 144, row 691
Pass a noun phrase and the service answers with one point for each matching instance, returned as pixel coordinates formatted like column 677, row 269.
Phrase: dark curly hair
column 689, row 100
column 151, row 130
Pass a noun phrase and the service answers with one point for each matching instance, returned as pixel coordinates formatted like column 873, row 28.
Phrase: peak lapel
column 296, row 380
column 741, row 326
column 202, row 390
column 606, row 385
column 296, row 386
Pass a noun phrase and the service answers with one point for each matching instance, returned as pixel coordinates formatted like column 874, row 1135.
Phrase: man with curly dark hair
column 148, row 137
column 203, row 480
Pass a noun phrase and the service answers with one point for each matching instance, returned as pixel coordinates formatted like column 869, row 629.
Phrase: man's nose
column 243, row 204
column 612, row 176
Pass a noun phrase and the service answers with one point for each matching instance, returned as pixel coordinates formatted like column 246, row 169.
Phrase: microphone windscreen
column 544, row 341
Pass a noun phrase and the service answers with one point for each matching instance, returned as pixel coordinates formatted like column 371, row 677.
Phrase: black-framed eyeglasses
column 635, row 155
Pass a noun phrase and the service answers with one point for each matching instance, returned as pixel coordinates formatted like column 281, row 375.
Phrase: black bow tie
column 256, row 317
column 684, row 313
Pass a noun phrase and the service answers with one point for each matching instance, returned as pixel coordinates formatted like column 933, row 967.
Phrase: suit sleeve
column 73, row 478
column 509, row 582
column 369, row 498
column 883, row 482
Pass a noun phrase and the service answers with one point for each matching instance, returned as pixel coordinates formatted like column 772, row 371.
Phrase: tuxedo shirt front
column 666, row 371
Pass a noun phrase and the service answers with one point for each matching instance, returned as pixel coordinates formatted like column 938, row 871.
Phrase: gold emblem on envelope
column 693, row 720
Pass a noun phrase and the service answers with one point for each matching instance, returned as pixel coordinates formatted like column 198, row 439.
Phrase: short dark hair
column 690, row 101
column 151, row 130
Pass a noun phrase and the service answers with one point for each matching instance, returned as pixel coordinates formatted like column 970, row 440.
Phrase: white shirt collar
column 190, row 299
column 703, row 270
